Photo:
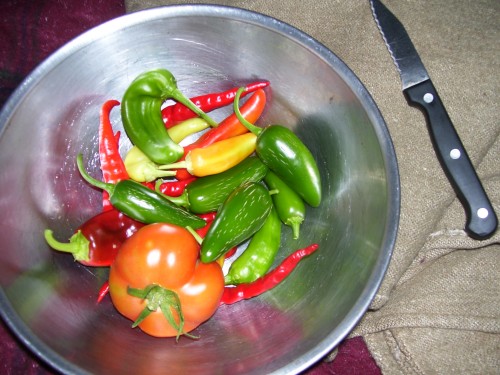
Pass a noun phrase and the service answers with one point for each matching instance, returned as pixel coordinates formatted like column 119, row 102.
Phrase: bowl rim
column 330, row 341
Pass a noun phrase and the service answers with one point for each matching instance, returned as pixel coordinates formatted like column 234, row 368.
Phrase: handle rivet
column 482, row 213
column 428, row 98
column 455, row 153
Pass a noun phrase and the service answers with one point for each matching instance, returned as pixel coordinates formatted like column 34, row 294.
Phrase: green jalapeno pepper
column 242, row 214
column 142, row 119
column 285, row 154
column 141, row 203
column 206, row 194
column 260, row 253
column 289, row 205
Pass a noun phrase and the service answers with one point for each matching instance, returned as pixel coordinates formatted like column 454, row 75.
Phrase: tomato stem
column 157, row 297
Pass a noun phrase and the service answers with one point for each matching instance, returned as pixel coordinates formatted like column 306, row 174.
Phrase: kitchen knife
column 481, row 221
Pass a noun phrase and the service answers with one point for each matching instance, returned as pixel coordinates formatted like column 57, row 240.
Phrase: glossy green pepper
column 142, row 119
column 260, row 253
column 141, row 203
column 241, row 215
column 289, row 205
column 285, row 154
column 207, row 194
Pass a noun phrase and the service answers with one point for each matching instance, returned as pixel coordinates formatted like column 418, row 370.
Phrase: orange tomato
column 158, row 268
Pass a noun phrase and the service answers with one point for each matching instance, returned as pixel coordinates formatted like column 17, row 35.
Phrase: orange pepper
column 218, row 157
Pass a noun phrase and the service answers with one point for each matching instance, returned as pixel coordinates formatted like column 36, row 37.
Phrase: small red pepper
column 208, row 217
column 230, row 127
column 112, row 166
column 97, row 241
column 178, row 112
column 202, row 232
column 175, row 188
column 103, row 291
column 233, row 294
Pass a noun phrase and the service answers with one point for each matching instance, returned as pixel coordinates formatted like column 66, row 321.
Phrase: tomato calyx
column 158, row 297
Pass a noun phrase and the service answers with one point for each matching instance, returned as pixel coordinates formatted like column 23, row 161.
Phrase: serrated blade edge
column 411, row 69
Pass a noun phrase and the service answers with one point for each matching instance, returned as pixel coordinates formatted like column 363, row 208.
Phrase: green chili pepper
column 285, row 154
column 141, row 203
column 289, row 205
column 242, row 214
column 260, row 253
column 207, row 194
column 142, row 119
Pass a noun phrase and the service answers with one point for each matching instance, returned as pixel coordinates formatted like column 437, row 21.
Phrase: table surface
column 31, row 30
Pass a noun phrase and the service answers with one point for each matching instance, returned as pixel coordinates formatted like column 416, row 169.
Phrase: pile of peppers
column 172, row 215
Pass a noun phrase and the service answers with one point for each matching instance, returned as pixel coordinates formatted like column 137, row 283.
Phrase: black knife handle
column 482, row 221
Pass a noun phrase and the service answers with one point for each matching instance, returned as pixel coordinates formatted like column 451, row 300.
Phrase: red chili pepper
column 203, row 230
column 103, row 291
column 97, row 241
column 175, row 188
column 231, row 252
column 233, row 294
column 208, row 217
column 230, row 127
column 112, row 167
column 178, row 112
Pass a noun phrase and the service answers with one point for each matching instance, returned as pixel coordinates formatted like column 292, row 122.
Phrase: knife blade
column 481, row 220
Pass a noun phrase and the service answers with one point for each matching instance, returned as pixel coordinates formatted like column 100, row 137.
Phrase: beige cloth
column 438, row 309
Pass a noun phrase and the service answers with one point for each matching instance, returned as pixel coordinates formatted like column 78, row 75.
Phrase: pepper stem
column 177, row 165
column 295, row 223
column 177, row 95
column 247, row 124
column 91, row 180
column 78, row 245
column 196, row 236
column 157, row 297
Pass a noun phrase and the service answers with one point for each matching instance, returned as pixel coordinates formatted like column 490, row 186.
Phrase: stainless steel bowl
column 49, row 301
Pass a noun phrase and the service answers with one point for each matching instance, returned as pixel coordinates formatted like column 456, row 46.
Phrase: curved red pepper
column 229, row 127
column 112, row 166
column 175, row 188
column 178, row 112
column 103, row 291
column 233, row 294
column 208, row 217
column 98, row 240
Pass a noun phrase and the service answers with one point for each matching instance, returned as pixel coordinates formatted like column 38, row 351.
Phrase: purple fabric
column 32, row 30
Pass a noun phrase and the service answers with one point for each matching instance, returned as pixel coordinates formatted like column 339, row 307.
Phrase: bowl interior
column 49, row 300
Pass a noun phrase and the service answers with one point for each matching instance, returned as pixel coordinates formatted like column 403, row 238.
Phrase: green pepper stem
column 196, row 236
column 78, row 245
column 247, row 124
column 295, row 223
column 91, row 180
column 178, row 96
column 177, row 165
